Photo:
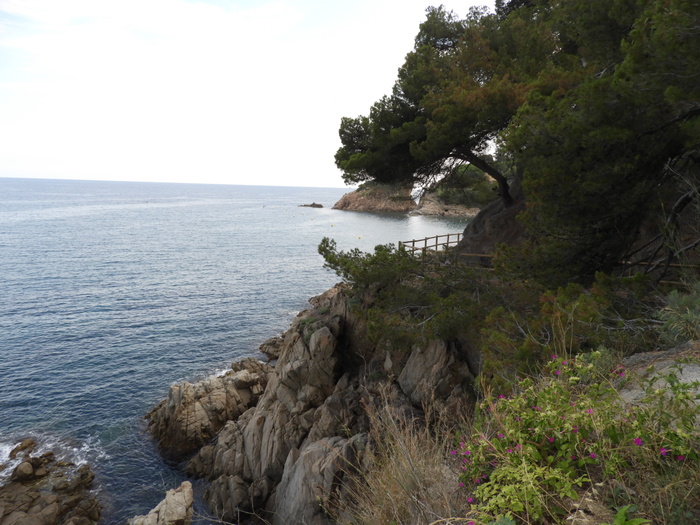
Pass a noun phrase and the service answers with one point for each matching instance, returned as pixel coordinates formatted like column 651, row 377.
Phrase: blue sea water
column 112, row 291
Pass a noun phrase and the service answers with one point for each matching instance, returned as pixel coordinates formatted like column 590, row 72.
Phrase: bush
column 681, row 316
column 530, row 452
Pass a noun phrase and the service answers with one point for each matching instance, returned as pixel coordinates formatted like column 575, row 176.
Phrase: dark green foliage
column 468, row 186
column 595, row 104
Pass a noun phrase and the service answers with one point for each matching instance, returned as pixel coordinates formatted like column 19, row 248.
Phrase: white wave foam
column 78, row 453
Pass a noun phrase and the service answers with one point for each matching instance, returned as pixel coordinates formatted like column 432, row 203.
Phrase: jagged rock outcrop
column 286, row 457
column 45, row 491
column 193, row 413
column 435, row 371
column 378, row 198
column 175, row 509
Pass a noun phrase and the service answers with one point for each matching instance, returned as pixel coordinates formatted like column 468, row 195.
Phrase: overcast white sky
column 210, row 91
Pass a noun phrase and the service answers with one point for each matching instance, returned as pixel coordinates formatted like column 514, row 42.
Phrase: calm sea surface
column 112, row 291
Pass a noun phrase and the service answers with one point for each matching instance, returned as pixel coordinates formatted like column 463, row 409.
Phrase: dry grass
column 409, row 477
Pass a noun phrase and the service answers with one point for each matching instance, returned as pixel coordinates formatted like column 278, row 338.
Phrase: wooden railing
column 434, row 243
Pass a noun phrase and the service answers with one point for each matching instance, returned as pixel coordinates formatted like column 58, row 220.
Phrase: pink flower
column 500, row 436
column 501, row 396
column 593, row 455
column 638, row 442
column 470, row 500
column 453, row 452
column 554, row 357
column 681, row 458
column 551, row 440
column 664, row 451
column 556, row 372
column 589, row 411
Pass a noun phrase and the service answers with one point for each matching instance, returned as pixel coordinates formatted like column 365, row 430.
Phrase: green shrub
column 681, row 316
column 531, row 451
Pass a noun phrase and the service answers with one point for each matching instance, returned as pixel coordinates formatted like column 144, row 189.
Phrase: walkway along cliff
column 278, row 441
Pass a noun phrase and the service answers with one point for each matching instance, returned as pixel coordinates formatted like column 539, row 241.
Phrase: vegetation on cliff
column 552, row 426
column 586, row 118
column 591, row 108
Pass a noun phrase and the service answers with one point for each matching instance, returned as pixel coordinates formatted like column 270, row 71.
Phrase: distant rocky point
column 312, row 205
column 378, row 198
column 382, row 198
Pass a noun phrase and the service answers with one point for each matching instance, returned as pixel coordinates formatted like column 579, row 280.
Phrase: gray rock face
column 434, row 372
column 286, row 457
column 175, row 509
column 193, row 413
column 314, row 474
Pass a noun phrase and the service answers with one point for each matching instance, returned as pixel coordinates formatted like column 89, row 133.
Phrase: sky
column 204, row 91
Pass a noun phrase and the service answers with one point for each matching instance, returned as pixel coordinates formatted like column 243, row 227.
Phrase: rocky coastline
column 276, row 441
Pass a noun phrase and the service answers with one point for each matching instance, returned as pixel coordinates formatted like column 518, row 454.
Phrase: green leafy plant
column 622, row 519
column 532, row 450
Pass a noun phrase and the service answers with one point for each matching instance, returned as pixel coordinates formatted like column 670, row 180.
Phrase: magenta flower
column 551, row 440
column 500, row 436
column 589, row 411
column 593, row 455
column 664, row 451
column 556, row 372
column 470, row 500
column 554, row 357
column 681, row 458
column 638, row 442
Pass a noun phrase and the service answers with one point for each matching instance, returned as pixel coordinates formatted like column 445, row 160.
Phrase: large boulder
column 193, row 413
column 175, row 509
column 435, row 371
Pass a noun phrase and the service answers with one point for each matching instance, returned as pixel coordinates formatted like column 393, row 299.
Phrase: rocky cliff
column 286, row 454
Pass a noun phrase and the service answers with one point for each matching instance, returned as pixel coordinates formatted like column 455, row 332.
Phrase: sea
column 110, row 292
